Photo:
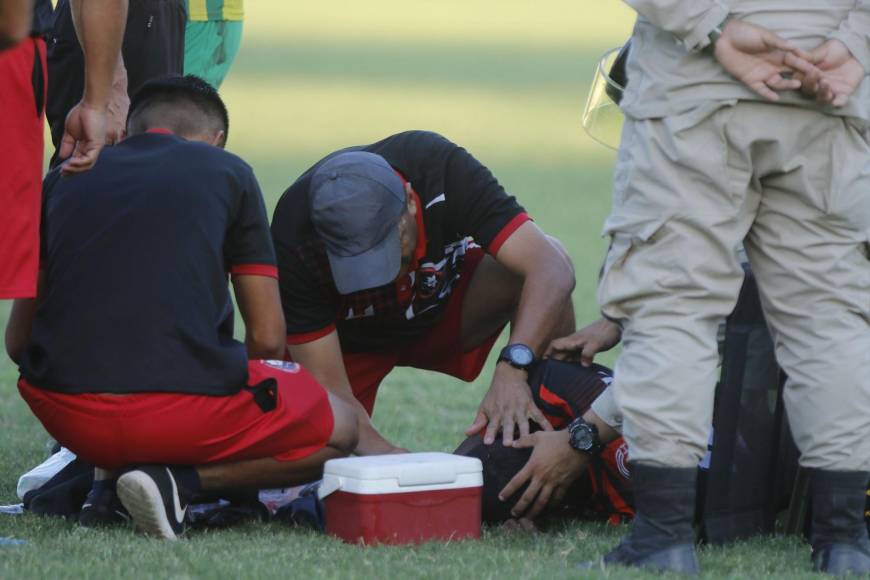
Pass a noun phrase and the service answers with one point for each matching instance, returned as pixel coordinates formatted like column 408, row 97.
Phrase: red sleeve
column 305, row 337
column 267, row 270
column 506, row 232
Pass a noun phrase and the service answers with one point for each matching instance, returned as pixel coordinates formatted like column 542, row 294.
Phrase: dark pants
column 153, row 46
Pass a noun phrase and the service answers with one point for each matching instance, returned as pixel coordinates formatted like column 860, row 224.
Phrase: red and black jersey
column 459, row 203
column 136, row 254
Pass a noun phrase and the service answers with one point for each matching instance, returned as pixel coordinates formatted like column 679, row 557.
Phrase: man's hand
column 550, row 471
column 119, row 106
column 507, row 404
column 758, row 58
column 837, row 77
column 584, row 344
column 83, row 138
column 372, row 443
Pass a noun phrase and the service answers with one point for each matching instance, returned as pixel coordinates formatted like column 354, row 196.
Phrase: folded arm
column 15, row 17
column 691, row 21
column 854, row 32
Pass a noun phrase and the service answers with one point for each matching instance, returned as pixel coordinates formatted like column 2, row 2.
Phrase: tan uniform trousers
column 795, row 184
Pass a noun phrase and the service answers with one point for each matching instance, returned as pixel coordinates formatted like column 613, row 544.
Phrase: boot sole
column 143, row 500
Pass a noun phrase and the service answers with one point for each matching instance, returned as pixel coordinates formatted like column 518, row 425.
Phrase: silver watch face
column 582, row 439
column 521, row 355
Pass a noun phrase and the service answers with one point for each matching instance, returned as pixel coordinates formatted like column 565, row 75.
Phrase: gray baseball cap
column 356, row 202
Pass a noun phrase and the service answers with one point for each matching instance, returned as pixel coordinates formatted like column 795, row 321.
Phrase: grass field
column 506, row 79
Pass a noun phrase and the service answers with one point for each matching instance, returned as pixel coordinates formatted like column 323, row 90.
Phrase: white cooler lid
column 400, row 473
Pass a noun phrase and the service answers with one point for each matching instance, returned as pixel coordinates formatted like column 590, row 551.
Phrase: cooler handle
column 423, row 475
column 328, row 485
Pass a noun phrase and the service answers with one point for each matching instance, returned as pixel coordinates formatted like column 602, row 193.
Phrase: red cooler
column 402, row 499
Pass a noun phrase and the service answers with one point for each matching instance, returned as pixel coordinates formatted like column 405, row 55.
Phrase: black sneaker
column 103, row 508
column 152, row 496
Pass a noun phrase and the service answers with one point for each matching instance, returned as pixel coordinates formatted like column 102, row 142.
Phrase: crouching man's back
column 127, row 354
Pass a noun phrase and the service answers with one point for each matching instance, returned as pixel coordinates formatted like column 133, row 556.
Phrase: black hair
column 169, row 97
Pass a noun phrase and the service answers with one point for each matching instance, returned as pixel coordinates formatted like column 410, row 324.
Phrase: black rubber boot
column 839, row 532
column 662, row 537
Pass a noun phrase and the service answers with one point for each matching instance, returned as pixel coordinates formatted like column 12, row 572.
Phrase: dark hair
column 176, row 91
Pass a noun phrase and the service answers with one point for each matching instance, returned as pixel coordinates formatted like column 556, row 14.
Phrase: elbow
column 14, row 347
column 267, row 343
column 13, row 31
column 561, row 268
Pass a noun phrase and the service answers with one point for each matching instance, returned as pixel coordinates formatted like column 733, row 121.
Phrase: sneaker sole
column 140, row 496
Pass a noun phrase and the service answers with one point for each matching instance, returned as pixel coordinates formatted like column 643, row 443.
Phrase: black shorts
column 153, row 46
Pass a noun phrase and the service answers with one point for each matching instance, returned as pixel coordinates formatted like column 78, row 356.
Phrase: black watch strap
column 583, row 436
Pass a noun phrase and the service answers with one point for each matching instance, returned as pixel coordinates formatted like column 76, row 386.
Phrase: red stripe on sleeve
column 512, row 226
column 255, row 270
column 303, row 337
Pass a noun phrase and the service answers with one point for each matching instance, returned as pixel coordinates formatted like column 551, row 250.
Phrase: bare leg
column 269, row 473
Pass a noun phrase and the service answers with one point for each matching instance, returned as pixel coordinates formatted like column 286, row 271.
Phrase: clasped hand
column 769, row 64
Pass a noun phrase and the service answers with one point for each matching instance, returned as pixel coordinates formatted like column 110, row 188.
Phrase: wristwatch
column 518, row 356
column 583, row 436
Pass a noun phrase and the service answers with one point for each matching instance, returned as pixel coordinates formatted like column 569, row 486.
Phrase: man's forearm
column 100, row 28
column 689, row 20
column 605, row 415
column 15, row 21
column 854, row 32
column 545, row 301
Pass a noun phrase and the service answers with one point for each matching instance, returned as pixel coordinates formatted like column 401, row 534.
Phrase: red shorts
column 439, row 350
column 22, row 100
column 113, row 431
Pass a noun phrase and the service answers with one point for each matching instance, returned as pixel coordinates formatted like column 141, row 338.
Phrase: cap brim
column 373, row 268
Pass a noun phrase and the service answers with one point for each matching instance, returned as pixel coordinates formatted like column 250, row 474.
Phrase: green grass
column 507, row 79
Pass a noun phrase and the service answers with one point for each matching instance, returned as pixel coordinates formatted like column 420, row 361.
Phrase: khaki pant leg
column 809, row 251
column 681, row 207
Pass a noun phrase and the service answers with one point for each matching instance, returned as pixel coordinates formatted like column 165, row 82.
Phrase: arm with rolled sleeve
column 691, row 21
column 854, row 32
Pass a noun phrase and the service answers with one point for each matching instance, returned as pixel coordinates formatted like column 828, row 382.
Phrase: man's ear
column 410, row 201
column 219, row 139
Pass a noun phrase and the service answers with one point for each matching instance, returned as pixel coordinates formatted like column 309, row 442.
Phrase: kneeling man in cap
column 408, row 252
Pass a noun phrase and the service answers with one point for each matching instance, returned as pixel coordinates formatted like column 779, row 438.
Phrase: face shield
column 602, row 117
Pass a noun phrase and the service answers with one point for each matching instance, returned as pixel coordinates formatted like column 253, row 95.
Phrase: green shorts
column 210, row 48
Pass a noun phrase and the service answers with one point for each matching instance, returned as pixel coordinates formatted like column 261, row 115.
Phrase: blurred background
column 506, row 79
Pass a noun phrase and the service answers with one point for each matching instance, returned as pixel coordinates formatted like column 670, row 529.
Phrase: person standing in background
column 745, row 120
column 81, row 133
column 212, row 38
column 153, row 46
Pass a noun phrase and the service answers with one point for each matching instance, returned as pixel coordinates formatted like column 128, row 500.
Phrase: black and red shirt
column 459, row 204
column 136, row 254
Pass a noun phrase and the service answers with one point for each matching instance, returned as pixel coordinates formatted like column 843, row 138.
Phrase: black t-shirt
column 460, row 203
column 136, row 253
column 43, row 18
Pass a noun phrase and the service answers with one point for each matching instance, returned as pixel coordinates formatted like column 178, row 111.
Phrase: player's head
column 186, row 105
column 365, row 214
column 500, row 465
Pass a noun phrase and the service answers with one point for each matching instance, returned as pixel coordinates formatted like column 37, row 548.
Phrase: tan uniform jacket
column 670, row 72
